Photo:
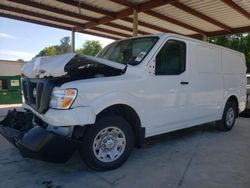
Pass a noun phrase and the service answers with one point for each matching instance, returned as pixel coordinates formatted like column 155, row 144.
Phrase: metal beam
column 157, row 15
column 111, row 32
column 127, row 12
column 200, row 15
column 173, row 21
column 78, row 29
column 39, row 15
column 107, row 19
column 209, row 34
column 129, row 29
column 125, row 28
column 51, row 18
column 125, row 3
column 88, row 7
column 15, row 17
column 236, row 7
column 71, row 14
column 54, row 25
column 72, row 40
column 150, row 26
column 135, row 23
column 153, row 4
column 52, row 9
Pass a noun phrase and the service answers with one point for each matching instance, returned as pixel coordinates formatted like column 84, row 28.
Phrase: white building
column 10, row 68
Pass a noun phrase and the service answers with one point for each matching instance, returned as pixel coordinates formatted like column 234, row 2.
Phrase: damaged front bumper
column 35, row 141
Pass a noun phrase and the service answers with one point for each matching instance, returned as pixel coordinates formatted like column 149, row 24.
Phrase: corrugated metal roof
column 245, row 4
column 164, row 24
column 219, row 11
column 113, row 18
column 115, row 29
column 34, row 18
column 187, row 18
column 99, row 32
column 42, row 11
column 104, row 4
column 70, row 8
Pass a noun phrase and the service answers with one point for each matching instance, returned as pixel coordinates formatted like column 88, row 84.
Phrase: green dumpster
column 10, row 90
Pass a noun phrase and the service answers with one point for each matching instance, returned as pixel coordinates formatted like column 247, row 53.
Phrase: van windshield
column 131, row 51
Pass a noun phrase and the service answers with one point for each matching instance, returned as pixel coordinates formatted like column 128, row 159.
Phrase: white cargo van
column 135, row 88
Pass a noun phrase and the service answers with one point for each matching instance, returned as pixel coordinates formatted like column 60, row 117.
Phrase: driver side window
column 171, row 59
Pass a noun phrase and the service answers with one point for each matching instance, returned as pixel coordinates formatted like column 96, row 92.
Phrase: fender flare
column 229, row 94
column 111, row 99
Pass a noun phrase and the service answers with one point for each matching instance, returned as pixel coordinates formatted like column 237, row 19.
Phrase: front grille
column 37, row 93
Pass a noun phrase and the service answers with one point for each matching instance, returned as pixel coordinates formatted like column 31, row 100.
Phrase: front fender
column 110, row 99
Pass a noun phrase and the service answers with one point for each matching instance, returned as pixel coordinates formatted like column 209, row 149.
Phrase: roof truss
column 116, row 30
column 200, row 15
column 236, row 7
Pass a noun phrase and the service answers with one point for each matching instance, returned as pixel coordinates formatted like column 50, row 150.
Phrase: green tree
column 48, row 51
column 90, row 47
column 65, row 46
column 62, row 48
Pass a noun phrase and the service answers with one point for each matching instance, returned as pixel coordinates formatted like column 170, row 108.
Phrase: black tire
column 88, row 152
column 224, row 124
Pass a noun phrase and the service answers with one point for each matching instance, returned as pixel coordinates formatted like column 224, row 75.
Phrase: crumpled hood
column 55, row 65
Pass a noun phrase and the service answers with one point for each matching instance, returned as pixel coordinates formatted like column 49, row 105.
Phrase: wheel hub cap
column 109, row 144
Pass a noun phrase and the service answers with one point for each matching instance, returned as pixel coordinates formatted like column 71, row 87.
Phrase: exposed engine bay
column 83, row 67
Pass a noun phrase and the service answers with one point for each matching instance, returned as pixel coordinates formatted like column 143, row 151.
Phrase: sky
column 23, row 40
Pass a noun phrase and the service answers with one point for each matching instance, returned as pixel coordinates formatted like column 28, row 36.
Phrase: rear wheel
column 107, row 144
column 228, row 118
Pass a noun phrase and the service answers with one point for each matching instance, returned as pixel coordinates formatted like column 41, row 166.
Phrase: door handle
column 184, row 83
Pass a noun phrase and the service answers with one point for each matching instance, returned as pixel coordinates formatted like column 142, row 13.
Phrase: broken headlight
column 62, row 98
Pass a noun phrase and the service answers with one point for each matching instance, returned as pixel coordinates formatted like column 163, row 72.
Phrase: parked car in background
column 134, row 89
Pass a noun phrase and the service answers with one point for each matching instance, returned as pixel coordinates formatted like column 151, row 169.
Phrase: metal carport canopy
column 116, row 19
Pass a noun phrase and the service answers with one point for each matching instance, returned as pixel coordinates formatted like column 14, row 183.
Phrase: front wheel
column 107, row 144
column 228, row 118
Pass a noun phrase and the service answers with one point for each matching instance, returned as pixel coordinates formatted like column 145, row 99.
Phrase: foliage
column 62, row 48
column 47, row 51
column 90, row 47
column 65, row 46
column 239, row 42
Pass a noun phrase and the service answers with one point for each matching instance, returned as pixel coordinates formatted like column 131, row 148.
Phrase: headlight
column 62, row 98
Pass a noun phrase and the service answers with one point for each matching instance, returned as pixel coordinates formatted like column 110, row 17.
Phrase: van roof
column 164, row 35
